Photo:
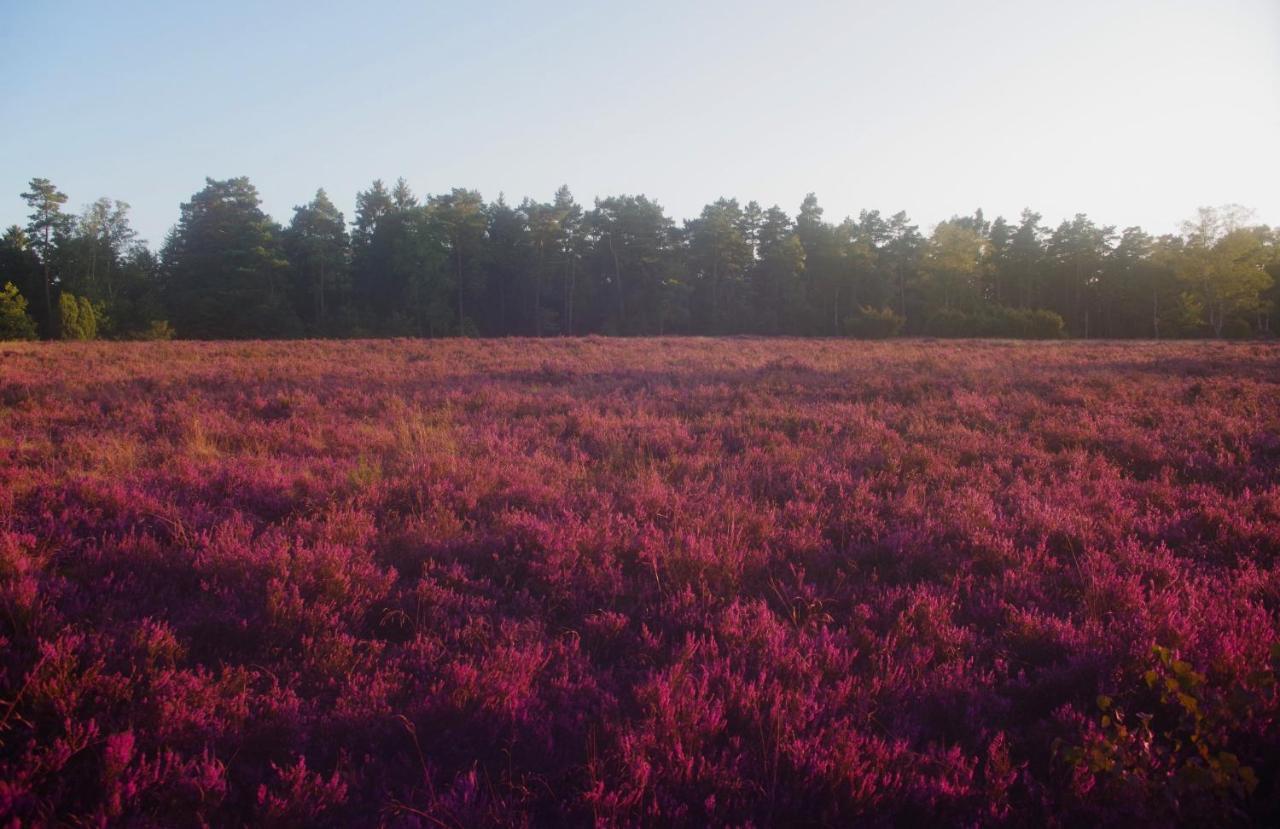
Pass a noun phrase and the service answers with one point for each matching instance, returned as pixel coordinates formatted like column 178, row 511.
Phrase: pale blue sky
column 1134, row 111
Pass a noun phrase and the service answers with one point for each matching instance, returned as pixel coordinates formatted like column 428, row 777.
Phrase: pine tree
column 225, row 272
column 46, row 227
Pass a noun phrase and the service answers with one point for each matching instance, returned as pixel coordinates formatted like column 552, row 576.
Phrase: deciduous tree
column 1223, row 265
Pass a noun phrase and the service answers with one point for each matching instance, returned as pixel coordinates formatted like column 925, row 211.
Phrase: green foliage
column 1177, row 741
column 47, row 221
column 46, row 229
column 225, row 272
column 776, row 280
column 317, row 248
column 1236, row 328
column 461, row 215
column 720, row 255
column 952, row 322
column 1000, row 321
column 15, row 322
column 634, row 249
column 874, row 323
column 78, row 317
column 93, row 254
column 826, row 272
column 20, row 265
column 402, row 277
column 952, row 264
column 1184, row 317
column 157, row 330
column 452, row 264
column 1034, row 324
column 1223, row 266
column 1076, row 258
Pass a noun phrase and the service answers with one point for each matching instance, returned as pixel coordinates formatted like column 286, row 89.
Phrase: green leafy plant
column 15, row 322
column 1180, row 746
column 874, row 323
column 158, row 330
column 80, row 317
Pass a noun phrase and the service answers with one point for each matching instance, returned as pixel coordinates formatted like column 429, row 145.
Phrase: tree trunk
column 320, row 295
column 573, row 285
column 617, row 274
column 461, row 317
column 1076, row 300
column 1155, row 312
column 715, row 297
column 537, row 296
column 566, row 322
column 54, row 324
column 902, row 292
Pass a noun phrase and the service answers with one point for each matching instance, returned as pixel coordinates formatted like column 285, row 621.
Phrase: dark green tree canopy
column 451, row 264
column 318, row 250
column 15, row 322
column 225, row 274
column 47, row 227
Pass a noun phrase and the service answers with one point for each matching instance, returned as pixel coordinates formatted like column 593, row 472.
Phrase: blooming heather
column 639, row 582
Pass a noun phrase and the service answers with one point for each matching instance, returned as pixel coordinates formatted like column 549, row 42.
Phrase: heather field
column 691, row 582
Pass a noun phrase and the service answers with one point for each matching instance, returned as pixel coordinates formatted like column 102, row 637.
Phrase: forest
column 453, row 264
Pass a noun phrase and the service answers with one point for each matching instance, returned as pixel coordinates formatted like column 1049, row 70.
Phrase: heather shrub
column 649, row 582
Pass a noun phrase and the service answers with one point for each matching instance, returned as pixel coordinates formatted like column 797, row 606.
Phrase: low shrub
column 673, row 582
column 15, row 322
column 79, row 317
column 157, row 330
column 874, row 323
column 999, row 321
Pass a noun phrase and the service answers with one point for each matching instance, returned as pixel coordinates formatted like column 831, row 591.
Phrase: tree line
column 452, row 264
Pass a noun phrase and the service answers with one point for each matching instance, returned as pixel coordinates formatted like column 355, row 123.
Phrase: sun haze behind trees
column 452, row 264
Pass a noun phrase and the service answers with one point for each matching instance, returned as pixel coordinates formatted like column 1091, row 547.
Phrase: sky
column 1133, row 111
